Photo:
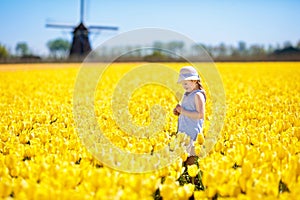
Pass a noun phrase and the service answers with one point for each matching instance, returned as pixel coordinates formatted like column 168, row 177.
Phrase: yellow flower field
column 256, row 157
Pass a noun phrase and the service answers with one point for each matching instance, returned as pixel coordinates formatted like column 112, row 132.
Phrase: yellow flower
column 211, row 192
column 193, row 170
column 184, row 156
column 242, row 182
column 198, row 149
column 189, row 189
column 200, row 138
column 169, row 187
column 4, row 136
column 247, row 169
column 5, row 188
column 185, row 191
column 200, row 195
column 167, row 192
column 14, row 172
column 218, row 147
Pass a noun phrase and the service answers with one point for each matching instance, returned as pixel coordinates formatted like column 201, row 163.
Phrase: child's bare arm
column 200, row 109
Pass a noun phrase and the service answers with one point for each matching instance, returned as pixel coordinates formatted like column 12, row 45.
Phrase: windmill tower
column 81, row 45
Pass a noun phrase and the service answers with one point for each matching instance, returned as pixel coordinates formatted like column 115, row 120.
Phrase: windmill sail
column 60, row 26
column 113, row 28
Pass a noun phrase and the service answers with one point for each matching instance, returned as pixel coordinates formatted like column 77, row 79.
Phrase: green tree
column 298, row 44
column 175, row 46
column 22, row 49
column 287, row 44
column 257, row 50
column 3, row 51
column 197, row 49
column 242, row 48
column 270, row 49
column 58, row 47
column 158, row 45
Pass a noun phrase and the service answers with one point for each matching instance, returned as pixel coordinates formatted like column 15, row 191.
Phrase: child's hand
column 178, row 108
column 175, row 112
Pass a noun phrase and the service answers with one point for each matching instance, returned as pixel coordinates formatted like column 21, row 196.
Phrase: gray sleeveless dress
column 186, row 125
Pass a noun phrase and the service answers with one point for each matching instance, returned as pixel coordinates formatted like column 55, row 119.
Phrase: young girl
column 192, row 108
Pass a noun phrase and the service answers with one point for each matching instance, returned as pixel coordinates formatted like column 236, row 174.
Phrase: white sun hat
column 188, row 73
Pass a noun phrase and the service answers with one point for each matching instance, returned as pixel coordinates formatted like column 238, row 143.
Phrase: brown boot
column 191, row 160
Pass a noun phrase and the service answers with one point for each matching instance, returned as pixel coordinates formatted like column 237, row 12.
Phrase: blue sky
column 208, row 22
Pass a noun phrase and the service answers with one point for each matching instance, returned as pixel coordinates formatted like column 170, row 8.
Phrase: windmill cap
column 188, row 73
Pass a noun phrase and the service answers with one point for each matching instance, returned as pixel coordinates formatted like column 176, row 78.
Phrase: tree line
column 59, row 49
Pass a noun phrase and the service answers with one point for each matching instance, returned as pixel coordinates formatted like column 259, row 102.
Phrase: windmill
column 81, row 44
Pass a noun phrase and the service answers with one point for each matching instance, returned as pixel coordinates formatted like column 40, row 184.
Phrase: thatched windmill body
column 81, row 45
